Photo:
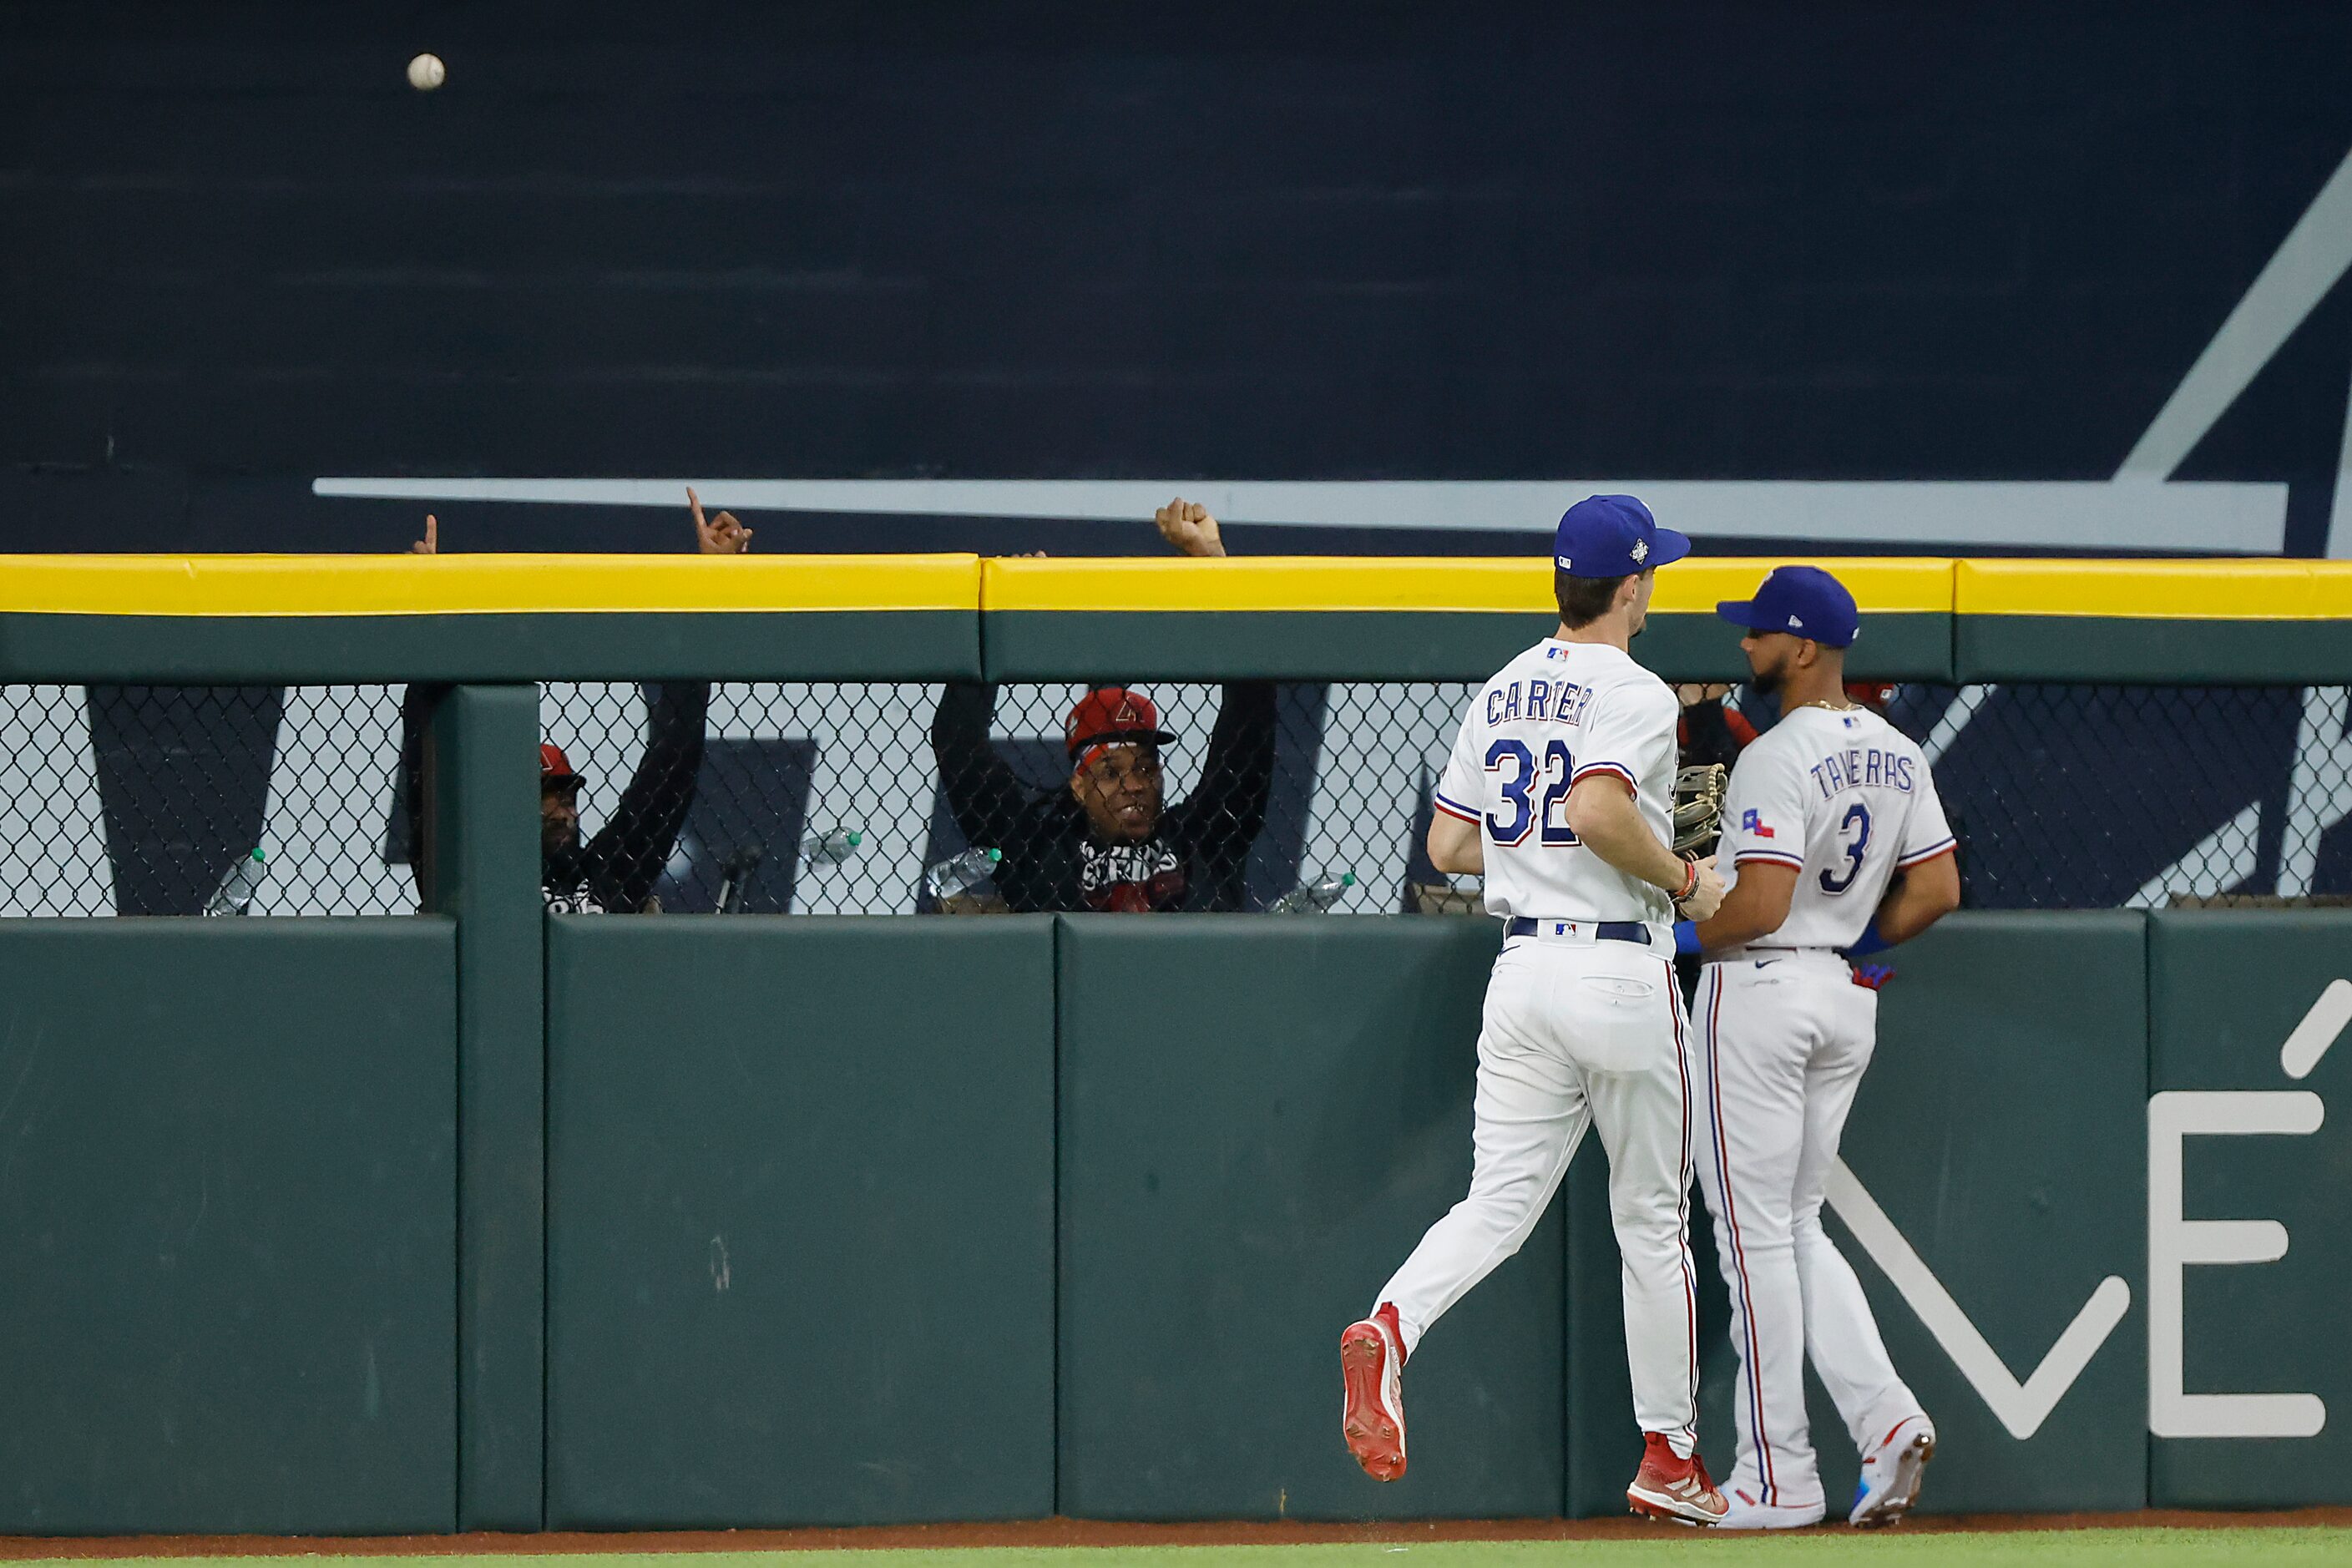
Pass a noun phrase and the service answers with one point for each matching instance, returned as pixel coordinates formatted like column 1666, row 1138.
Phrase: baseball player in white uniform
column 1834, row 841
column 1559, row 789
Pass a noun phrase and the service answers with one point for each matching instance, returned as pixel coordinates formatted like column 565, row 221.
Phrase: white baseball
column 427, row 72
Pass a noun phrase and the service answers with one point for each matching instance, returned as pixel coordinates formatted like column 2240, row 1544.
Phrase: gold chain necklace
column 1827, row 706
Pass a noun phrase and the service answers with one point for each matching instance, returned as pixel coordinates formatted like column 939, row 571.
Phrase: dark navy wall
column 1314, row 240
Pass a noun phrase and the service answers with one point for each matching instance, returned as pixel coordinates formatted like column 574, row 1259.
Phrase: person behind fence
column 1108, row 839
column 615, row 871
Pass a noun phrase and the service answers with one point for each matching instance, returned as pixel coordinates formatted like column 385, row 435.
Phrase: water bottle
column 833, row 845
column 966, row 874
column 237, row 887
column 1313, row 898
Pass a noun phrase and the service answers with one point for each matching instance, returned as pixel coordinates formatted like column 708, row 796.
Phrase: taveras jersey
column 1559, row 712
column 1844, row 798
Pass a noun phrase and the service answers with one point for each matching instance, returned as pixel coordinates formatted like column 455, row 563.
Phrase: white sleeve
column 1928, row 835
column 1462, row 790
column 1629, row 732
column 1764, row 810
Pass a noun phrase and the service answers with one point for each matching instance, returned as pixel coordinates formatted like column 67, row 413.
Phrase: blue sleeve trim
column 1924, row 855
column 1454, row 808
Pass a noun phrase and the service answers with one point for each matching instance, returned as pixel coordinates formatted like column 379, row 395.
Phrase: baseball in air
column 427, row 72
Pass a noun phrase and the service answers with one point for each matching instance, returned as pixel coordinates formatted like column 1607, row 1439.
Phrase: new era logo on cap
column 1802, row 601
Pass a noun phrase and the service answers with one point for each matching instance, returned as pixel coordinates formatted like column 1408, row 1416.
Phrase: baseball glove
column 1698, row 807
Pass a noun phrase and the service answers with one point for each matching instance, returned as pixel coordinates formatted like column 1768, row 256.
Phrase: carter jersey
column 1558, row 713
column 1845, row 799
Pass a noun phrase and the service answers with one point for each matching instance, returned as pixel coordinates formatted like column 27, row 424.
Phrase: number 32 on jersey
column 1521, row 774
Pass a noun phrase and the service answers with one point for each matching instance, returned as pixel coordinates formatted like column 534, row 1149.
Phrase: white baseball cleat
column 1891, row 1474
column 1746, row 1515
column 1372, row 1407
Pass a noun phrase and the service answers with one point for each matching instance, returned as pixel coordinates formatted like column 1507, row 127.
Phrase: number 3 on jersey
column 1513, row 759
column 1857, row 825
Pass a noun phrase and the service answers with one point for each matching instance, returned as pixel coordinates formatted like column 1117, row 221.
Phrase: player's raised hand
column 721, row 535
column 1705, row 896
column 1187, row 525
column 431, row 543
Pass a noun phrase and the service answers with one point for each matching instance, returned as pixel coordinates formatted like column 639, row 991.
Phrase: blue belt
column 1605, row 930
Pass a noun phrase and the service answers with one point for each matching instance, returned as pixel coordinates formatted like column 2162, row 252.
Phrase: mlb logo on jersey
column 1753, row 821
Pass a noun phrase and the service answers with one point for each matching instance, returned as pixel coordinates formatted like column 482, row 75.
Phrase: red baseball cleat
column 1672, row 1489
column 1371, row 1410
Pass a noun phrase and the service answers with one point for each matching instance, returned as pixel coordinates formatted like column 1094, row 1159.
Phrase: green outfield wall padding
column 801, row 1193
column 1992, row 647
column 227, row 1204
column 1389, row 644
column 480, row 855
column 1259, row 1118
column 1999, row 1132
column 616, row 645
column 2250, row 1384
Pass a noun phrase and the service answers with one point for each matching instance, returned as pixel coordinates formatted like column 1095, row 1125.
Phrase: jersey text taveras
column 1558, row 713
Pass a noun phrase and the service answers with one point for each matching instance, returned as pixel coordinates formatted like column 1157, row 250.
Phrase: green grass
column 2141, row 1548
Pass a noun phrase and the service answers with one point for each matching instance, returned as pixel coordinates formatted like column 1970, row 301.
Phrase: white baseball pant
column 1783, row 1041
column 1578, row 1033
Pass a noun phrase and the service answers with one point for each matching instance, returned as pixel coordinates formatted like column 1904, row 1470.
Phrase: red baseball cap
column 1111, row 716
column 554, row 767
column 1874, row 694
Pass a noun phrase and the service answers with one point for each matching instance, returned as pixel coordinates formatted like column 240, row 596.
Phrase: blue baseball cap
column 1613, row 536
column 1802, row 601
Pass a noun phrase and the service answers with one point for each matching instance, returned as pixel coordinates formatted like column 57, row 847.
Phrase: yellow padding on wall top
column 2160, row 590
column 479, row 584
column 1310, row 583
column 524, row 584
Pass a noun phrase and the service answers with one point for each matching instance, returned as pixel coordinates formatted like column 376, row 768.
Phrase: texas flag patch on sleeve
column 1753, row 821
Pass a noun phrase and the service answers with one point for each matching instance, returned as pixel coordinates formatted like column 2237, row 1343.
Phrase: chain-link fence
column 872, row 798
column 152, row 800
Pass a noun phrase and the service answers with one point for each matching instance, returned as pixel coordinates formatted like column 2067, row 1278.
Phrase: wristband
column 1869, row 942
column 1690, row 881
column 1685, row 938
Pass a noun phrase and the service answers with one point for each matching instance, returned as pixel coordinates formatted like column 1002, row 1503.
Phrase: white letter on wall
column 2174, row 1243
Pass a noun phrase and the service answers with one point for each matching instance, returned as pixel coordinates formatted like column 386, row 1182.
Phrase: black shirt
column 614, row 872
column 1053, row 861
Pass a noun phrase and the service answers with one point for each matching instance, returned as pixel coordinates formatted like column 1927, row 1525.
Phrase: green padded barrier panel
column 1259, row 1118
column 480, row 857
column 800, row 1247
column 1992, row 647
column 1999, row 1133
column 1388, row 644
column 2251, row 1387
column 228, row 1208
column 845, row 645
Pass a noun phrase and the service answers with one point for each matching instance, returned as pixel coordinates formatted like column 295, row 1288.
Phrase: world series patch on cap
column 1613, row 536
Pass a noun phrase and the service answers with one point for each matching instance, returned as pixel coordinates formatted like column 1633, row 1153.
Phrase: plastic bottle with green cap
column 1314, row 898
column 237, row 887
column 833, row 845
column 964, row 875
